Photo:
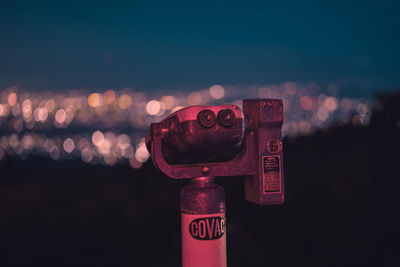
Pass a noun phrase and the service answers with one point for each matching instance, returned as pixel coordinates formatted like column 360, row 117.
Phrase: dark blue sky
column 155, row 45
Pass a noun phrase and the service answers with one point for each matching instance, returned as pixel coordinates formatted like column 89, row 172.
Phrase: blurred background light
column 217, row 91
column 103, row 127
column 98, row 138
column 125, row 101
column 153, row 107
column 94, row 100
column 69, row 145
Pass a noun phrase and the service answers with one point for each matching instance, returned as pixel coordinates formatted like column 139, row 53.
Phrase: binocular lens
column 226, row 117
column 206, row 118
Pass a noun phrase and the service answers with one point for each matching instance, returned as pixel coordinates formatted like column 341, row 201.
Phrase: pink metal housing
column 257, row 132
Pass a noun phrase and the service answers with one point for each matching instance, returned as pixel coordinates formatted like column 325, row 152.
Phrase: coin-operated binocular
column 202, row 142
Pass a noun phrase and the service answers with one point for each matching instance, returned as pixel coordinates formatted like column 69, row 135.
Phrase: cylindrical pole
column 203, row 224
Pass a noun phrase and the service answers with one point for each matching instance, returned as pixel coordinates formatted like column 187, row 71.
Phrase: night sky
column 151, row 45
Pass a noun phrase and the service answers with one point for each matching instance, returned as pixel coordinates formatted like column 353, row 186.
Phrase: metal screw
column 268, row 104
column 274, row 146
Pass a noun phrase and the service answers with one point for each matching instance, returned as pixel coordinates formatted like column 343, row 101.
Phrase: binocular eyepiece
column 202, row 134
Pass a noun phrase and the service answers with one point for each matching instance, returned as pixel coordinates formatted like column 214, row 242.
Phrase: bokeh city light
column 108, row 127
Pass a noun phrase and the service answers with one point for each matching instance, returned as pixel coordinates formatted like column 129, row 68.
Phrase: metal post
column 203, row 224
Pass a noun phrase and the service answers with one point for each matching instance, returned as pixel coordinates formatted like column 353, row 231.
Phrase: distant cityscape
column 108, row 127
